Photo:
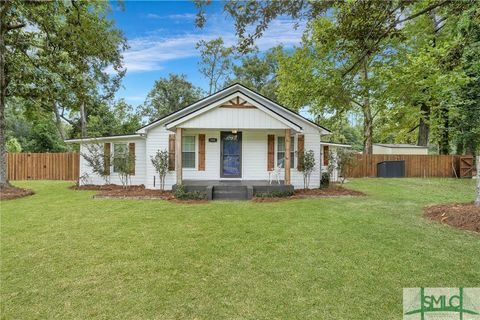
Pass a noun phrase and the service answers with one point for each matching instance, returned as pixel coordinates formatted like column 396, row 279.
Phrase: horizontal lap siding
column 137, row 179
column 157, row 139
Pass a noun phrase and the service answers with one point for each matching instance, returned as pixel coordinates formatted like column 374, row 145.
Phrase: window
column 325, row 155
column 281, row 152
column 119, row 156
column 188, row 152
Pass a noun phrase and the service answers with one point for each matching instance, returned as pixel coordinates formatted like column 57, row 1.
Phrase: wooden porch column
column 287, row 155
column 178, row 155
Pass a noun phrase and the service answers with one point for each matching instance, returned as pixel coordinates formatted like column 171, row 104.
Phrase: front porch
column 234, row 189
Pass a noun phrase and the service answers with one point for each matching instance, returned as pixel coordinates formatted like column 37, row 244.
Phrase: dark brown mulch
column 116, row 191
column 460, row 215
column 332, row 191
column 133, row 192
column 9, row 193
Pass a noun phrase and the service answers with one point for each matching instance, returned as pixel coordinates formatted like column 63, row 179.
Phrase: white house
column 398, row 148
column 235, row 135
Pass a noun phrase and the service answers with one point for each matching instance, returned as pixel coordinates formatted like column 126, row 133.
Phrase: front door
column 230, row 155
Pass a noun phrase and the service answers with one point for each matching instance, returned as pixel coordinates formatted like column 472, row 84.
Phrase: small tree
column 160, row 163
column 477, row 201
column 123, row 165
column 97, row 160
column 308, row 166
column 341, row 160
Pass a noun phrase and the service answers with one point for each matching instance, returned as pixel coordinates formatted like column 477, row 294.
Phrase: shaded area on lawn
column 461, row 215
column 9, row 193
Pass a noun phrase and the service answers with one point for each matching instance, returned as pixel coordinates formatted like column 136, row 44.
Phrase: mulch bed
column 112, row 191
column 332, row 191
column 133, row 192
column 10, row 193
column 460, row 215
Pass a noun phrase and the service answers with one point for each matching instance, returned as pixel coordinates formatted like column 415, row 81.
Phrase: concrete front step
column 232, row 193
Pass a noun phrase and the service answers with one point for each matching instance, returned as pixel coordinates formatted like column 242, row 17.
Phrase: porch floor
column 234, row 189
column 246, row 183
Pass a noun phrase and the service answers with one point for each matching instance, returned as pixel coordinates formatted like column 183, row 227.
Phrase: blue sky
column 162, row 37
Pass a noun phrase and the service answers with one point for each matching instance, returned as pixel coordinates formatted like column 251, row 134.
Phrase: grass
column 65, row 255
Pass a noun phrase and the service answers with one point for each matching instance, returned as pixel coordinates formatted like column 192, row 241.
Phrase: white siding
column 157, row 139
column 137, row 179
column 226, row 118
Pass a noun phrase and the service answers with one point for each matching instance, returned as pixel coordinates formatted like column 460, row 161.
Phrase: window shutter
column 271, row 152
column 106, row 158
column 131, row 158
column 201, row 152
column 300, row 151
column 171, row 152
column 325, row 155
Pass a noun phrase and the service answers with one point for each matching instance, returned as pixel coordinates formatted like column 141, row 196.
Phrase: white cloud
column 177, row 17
column 151, row 52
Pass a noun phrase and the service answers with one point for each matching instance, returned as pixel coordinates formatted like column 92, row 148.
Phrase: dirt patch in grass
column 9, row 193
column 333, row 191
column 460, row 215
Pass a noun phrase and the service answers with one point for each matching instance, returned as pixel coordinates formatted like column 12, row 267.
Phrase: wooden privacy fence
column 43, row 166
column 423, row 166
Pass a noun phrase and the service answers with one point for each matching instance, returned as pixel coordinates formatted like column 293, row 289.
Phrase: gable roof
column 279, row 110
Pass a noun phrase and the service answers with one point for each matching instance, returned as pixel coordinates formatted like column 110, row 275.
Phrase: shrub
column 98, row 162
column 182, row 194
column 275, row 194
column 308, row 167
column 160, row 163
column 325, row 182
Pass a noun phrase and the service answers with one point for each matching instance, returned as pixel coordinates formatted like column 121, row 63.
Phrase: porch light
column 234, row 131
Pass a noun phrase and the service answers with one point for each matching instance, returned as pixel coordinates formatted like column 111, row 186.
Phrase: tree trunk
column 58, row 122
column 83, row 120
column 477, row 201
column 424, row 126
column 444, row 143
column 3, row 93
column 367, row 114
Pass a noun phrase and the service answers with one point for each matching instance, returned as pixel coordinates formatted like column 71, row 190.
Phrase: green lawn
column 65, row 255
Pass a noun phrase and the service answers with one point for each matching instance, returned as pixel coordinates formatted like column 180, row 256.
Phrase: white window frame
column 112, row 163
column 293, row 152
column 195, row 151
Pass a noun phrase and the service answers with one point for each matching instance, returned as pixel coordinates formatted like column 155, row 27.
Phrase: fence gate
column 466, row 166
column 43, row 166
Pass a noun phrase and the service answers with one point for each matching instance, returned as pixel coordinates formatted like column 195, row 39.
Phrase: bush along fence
column 43, row 166
column 419, row 166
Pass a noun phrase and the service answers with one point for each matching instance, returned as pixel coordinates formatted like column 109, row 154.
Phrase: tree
column 111, row 119
column 50, row 55
column 169, row 95
column 160, row 163
column 342, row 160
column 124, row 165
column 477, row 201
column 308, row 167
column 259, row 73
column 13, row 146
column 352, row 39
column 97, row 160
column 313, row 74
column 215, row 62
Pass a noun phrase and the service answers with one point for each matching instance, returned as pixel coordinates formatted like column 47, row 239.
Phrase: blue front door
column 231, row 155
